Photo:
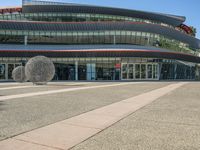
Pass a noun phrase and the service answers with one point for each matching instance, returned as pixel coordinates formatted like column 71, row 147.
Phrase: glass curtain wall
column 122, row 69
column 177, row 71
column 94, row 37
column 110, row 68
column 87, row 68
column 74, row 17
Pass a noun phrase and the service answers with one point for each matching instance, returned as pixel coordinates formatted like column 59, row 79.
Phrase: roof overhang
column 77, row 8
column 146, row 53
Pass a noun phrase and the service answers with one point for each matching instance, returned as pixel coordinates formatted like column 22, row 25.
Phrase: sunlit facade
column 98, row 43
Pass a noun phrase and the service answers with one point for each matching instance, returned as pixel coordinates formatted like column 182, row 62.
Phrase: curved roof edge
column 174, row 20
column 79, row 47
column 101, row 53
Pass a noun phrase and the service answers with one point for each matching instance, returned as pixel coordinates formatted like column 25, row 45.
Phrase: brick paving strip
column 70, row 132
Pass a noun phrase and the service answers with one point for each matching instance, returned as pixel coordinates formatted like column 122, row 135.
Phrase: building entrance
column 82, row 72
column 64, row 72
column 140, row 71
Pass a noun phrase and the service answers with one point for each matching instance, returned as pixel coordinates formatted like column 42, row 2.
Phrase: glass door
column 155, row 71
column 149, row 71
column 124, row 71
column 130, row 71
column 137, row 71
column 82, row 72
column 143, row 71
column 10, row 69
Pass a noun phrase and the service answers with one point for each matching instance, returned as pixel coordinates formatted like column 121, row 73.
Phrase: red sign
column 10, row 10
column 117, row 66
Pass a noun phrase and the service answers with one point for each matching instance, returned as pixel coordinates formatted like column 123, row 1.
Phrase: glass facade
column 88, row 69
column 74, row 17
column 177, row 71
column 100, row 68
column 94, row 37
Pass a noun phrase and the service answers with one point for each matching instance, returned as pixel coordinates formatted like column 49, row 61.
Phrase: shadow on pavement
column 62, row 85
column 1, row 105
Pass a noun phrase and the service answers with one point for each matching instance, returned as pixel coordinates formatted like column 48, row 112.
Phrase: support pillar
column 76, row 70
column 6, row 71
column 175, row 71
column 160, row 71
column 197, row 72
column 25, row 40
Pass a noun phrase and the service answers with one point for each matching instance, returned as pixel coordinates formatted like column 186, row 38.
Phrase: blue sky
column 188, row 8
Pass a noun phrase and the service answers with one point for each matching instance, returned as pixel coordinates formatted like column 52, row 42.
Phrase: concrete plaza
column 100, row 115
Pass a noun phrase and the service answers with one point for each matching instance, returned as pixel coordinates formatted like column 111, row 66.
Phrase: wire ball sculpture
column 18, row 74
column 39, row 70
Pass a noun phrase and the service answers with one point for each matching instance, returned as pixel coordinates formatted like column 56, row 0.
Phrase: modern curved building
column 98, row 43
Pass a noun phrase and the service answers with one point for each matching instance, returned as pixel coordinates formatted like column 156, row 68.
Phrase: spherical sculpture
column 39, row 70
column 18, row 74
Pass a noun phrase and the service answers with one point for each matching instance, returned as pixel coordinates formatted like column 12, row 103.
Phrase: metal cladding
column 74, row 8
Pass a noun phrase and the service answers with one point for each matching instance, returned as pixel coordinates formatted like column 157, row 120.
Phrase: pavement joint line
column 56, row 148
column 16, row 87
column 175, row 123
column 69, row 84
column 73, row 124
column 3, row 98
column 8, row 83
column 33, row 86
column 54, row 135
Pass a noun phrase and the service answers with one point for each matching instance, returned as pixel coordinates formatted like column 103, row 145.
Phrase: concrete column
column 76, row 70
column 159, row 70
column 25, row 40
column 197, row 72
column 175, row 71
column 6, row 71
